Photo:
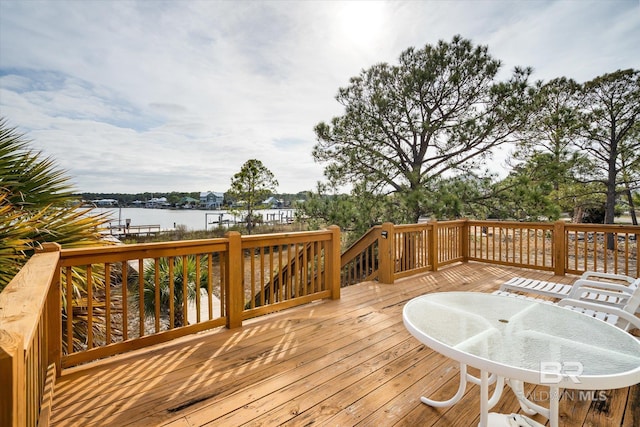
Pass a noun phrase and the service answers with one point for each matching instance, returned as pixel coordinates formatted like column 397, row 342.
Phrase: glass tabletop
column 523, row 339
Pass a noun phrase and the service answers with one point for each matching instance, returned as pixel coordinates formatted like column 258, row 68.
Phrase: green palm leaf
column 37, row 206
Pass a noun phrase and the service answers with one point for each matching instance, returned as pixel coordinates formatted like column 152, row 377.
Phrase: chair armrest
column 582, row 285
column 591, row 275
column 631, row 319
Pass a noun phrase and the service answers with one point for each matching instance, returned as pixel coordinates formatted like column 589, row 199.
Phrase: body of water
column 193, row 219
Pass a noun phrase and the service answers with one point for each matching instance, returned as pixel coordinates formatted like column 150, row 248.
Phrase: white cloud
column 162, row 96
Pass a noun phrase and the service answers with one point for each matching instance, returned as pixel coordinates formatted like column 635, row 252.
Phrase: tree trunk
column 632, row 208
column 578, row 214
column 610, row 206
column 249, row 218
column 178, row 316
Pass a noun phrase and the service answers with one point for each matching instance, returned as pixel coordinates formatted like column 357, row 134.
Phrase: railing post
column 54, row 313
column 465, row 240
column 559, row 248
column 433, row 245
column 13, row 412
column 333, row 262
column 386, row 254
column 234, row 295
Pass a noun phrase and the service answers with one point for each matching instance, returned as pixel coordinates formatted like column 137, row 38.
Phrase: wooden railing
column 450, row 242
column 559, row 247
column 121, row 298
column 125, row 297
column 75, row 305
column 30, row 341
column 72, row 306
column 359, row 262
column 412, row 249
column 284, row 270
column 404, row 250
column 610, row 248
column 528, row 245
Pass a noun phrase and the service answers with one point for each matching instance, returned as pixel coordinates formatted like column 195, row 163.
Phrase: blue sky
column 175, row 96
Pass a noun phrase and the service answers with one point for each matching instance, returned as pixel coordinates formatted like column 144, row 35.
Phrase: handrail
column 616, row 244
column 121, row 298
column 361, row 244
column 104, row 313
column 360, row 261
column 559, row 247
column 285, row 269
column 454, row 236
column 29, row 340
column 413, row 249
column 518, row 244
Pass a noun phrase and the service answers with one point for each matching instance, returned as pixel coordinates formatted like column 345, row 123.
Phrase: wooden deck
column 339, row 363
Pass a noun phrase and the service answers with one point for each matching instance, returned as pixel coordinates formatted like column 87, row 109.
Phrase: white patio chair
column 613, row 303
column 603, row 288
column 623, row 317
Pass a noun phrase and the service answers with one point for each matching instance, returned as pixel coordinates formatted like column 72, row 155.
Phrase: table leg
column 484, row 382
column 456, row 398
column 527, row 406
column 484, row 399
column 554, row 405
column 486, row 402
column 530, row 408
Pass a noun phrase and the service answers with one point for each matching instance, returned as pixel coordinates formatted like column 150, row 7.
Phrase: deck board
column 340, row 363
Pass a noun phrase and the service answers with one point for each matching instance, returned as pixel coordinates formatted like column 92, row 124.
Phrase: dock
column 134, row 230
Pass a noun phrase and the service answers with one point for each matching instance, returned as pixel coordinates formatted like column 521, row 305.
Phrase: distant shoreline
column 191, row 219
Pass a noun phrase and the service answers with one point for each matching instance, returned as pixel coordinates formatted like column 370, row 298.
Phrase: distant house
column 211, row 200
column 273, row 203
column 189, row 203
column 102, row 203
column 157, row 202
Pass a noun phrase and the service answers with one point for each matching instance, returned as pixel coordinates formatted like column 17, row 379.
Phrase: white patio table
column 516, row 340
